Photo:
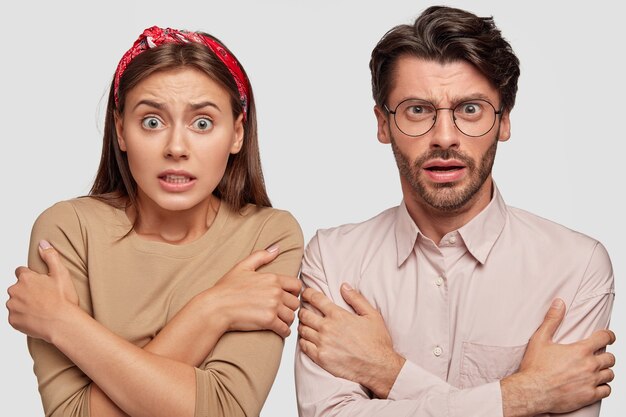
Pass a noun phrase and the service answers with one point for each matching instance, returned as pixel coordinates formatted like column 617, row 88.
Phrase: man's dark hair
column 446, row 34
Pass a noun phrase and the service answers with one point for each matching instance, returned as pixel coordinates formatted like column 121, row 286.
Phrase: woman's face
column 178, row 131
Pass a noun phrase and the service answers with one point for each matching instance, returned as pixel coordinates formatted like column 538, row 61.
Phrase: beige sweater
column 135, row 286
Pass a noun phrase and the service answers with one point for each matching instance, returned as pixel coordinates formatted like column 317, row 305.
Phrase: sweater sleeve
column 237, row 376
column 63, row 387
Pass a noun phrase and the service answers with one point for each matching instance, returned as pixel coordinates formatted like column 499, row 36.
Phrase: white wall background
column 308, row 63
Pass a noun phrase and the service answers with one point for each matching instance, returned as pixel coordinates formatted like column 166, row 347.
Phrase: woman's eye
column 151, row 123
column 203, row 123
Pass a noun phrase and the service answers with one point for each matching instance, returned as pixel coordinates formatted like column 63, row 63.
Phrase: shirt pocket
column 481, row 364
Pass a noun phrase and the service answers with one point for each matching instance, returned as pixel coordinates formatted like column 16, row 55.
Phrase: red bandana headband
column 155, row 36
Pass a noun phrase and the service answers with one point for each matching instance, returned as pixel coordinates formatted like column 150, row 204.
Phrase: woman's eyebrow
column 150, row 103
column 202, row 104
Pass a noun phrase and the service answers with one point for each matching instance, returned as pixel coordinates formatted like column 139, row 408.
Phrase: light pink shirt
column 461, row 312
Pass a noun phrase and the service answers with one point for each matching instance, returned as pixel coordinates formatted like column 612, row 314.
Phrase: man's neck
column 435, row 223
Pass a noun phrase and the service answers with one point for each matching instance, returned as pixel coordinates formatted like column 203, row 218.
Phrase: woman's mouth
column 176, row 179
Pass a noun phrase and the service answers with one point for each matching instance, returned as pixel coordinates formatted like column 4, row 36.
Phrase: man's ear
column 505, row 127
column 382, row 118
column 119, row 130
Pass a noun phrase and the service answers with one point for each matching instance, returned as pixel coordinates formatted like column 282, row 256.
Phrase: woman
column 150, row 296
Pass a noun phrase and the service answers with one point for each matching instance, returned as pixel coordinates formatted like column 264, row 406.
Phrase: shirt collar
column 479, row 235
column 482, row 232
column 406, row 233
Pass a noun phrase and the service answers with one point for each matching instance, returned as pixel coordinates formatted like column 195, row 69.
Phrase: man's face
column 443, row 169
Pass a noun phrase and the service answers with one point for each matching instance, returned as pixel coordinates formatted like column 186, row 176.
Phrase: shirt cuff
column 481, row 401
column 415, row 383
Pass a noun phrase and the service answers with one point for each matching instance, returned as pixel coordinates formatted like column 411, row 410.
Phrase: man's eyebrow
column 453, row 100
column 471, row 96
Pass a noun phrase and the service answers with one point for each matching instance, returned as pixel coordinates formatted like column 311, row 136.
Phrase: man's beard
column 447, row 197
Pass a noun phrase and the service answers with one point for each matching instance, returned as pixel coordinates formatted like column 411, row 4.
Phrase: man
column 448, row 288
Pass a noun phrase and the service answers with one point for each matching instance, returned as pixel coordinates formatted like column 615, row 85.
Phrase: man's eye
column 470, row 108
column 417, row 111
column 151, row 123
column 203, row 123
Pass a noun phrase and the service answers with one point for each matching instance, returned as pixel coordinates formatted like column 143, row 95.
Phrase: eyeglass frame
column 496, row 113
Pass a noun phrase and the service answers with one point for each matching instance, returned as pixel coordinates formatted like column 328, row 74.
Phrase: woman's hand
column 37, row 301
column 250, row 300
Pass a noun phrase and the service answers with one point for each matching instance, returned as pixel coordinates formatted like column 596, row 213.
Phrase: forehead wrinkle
column 456, row 99
column 442, row 84
column 180, row 93
column 448, row 98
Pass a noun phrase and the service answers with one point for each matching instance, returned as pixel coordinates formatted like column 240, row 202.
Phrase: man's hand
column 356, row 347
column 559, row 378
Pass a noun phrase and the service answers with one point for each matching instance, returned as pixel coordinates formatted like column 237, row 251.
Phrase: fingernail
column 557, row 303
column 44, row 244
column 272, row 249
column 347, row 286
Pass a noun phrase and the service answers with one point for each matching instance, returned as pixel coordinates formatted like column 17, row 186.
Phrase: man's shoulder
column 341, row 253
column 349, row 245
column 555, row 244
column 545, row 230
column 354, row 233
column 562, row 252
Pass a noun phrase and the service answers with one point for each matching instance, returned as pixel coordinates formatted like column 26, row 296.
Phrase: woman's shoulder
column 69, row 224
column 263, row 216
column 264, row 225
column 77, row 212
column 80, row 206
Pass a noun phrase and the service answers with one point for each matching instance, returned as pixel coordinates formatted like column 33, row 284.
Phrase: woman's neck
column 174, row 227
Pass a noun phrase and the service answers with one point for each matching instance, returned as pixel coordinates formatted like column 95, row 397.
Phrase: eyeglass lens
column 473, row 118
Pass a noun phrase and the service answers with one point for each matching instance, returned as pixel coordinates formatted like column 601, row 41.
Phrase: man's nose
column 444, row 133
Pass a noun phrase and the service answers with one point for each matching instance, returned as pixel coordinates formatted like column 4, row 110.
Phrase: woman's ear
column 238, row 135
column 119, row 130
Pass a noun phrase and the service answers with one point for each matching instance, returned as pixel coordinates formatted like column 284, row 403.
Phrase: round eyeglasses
column 415, row 117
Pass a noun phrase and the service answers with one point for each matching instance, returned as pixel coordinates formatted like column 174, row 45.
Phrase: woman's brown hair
column 242, row 182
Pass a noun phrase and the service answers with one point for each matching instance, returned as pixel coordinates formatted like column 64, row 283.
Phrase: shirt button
column 452, row 240
column 439, row 281
column 437, row 351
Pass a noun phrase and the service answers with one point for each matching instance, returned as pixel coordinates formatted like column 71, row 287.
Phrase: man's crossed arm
column 552, row 378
